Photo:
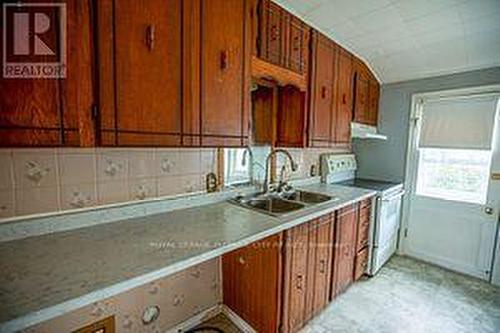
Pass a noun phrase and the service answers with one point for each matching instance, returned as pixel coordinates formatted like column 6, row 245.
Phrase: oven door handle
column 395, row 196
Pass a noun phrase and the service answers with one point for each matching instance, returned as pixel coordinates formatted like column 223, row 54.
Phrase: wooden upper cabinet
column 41, row 112
column 322, row 91
column 225, row 91
column 140, row 58
column 282, row 38
column 272, row 26
column 366, row 90
column 344, row 97
column 298, row 45
column 373, row 100
column 345, row 248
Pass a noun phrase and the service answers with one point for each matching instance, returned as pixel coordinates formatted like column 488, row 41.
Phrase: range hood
column 362, row 131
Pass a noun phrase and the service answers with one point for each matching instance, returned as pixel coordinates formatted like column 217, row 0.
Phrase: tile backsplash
column 36, row 181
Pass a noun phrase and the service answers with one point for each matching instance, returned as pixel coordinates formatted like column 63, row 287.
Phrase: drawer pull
column 150, row 37
column 322, row 266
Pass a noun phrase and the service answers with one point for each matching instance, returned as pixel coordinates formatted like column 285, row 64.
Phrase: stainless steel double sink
column 277, row 205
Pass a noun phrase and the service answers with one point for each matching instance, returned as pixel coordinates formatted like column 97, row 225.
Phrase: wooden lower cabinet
column 252, row 279
column 345, row 248
column 362, row 238
column 279, row 283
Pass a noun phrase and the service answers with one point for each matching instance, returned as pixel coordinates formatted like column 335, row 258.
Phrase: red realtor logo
column 34, row 40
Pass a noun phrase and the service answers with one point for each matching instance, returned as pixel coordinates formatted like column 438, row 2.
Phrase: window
column 236, row 166
column 454, row 174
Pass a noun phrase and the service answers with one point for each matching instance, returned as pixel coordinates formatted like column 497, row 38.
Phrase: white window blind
column 459, row 123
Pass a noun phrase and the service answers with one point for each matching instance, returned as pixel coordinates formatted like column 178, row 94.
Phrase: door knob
column 489, row 210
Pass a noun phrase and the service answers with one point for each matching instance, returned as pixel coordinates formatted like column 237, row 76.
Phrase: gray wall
column 386, row 159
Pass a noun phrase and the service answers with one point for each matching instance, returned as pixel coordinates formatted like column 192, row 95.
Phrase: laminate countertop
column 46, row 276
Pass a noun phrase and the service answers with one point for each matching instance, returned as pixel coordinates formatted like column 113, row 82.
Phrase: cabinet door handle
column 344, row 99
column 274, row 33
column 224, row 60
column 323, row 92
column 242, row 260
column 299, row 285
column 150, row 37
column 322, row 266
column 296, row 43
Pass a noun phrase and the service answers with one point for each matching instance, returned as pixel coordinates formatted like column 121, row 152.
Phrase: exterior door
column 454, row 197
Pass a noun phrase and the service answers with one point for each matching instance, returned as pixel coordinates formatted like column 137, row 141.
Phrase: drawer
column 361, row 263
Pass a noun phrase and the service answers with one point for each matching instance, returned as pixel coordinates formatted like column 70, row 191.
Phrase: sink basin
column 308, row 197
column 272, row 205
column 281, row 204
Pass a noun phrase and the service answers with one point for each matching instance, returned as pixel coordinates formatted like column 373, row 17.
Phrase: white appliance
column 386, row 216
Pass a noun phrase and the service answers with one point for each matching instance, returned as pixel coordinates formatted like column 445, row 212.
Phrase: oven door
column 385, row 237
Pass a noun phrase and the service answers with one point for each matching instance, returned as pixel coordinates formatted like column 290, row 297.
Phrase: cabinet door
column 224, row 43
column 52, row 112
column 361, row 264
column 298, row 45
column 361, row 98
column 373, row 99
column 363, row 225
column 295, row 278
column 252, row 283
column 271, row 41
column 141, row 69
column 321, row 107
column 323, row 263
column 344, row 98
column 345, row 244
column 291, row 117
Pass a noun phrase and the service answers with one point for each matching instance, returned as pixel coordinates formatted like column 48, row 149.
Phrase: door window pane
column 454, row 174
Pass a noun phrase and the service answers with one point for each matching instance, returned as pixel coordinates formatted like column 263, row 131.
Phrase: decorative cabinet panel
column 283, row 39
column 322, row 92
column 42, row 112
column 140, row 71
column 344, row 97
column 252, row 283
column 345, row 248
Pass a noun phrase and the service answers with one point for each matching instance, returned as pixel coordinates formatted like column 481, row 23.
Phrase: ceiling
column 410, row 39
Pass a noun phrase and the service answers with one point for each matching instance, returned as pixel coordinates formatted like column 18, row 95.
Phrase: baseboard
column 196, row 319
column 237, row 320
column 210, row 313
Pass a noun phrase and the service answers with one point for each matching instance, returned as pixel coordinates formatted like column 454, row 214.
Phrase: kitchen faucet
column 248, row 151
column 268, row 162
